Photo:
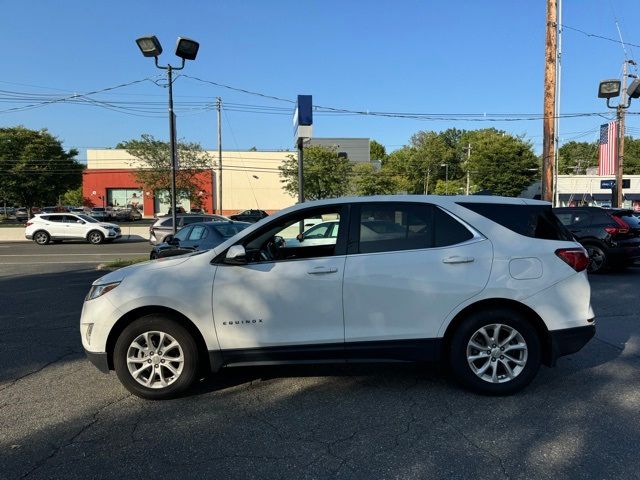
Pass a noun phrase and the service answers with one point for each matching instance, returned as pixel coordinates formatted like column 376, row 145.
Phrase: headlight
column 99, row 290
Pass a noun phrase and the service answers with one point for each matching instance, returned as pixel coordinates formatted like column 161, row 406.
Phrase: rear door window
column 535, row 221
column 388, row 227
column 198, row 232
column 448, row 230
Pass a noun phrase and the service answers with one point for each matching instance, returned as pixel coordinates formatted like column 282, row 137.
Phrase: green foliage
column 575, row 157
column 500, row 162
column 73, row 197
column 452, row 187
column 631, row 156
column 153, row 171
column 35, row 167
column 369, row 181
column 377, row 151
column 325, row 174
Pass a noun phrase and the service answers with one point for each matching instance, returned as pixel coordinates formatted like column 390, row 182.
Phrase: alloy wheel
column 497, row 353
column 155, row 359
column 95, row 237
column 597, row 259
column 41, row 238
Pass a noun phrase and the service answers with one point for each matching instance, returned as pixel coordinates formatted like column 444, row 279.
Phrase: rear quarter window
column 534, row 221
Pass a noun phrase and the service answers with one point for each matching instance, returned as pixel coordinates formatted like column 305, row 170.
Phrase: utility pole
column 549, row 120
column 556, row 136
column 468, row 149
column 620, row 114
column 219, row 182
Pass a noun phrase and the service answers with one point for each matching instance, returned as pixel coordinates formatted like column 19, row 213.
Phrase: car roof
column 442, row 200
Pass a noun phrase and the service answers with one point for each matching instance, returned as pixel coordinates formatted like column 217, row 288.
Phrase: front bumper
column 569, row 340
column 99, row 360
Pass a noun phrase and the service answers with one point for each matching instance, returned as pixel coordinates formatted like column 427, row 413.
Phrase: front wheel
column 156, row 358
column 95, row 237
column 495, row 352
column 41, row 238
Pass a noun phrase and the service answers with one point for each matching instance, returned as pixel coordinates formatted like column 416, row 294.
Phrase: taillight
column 29, row 223
column 622, row 227
column 576, row 258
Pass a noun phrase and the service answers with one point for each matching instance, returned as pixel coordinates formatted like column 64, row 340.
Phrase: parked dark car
column 22, row 215
column 251, row 216
column 195, row 237
column 128, row 215
column 611, row 236
column 163, row 226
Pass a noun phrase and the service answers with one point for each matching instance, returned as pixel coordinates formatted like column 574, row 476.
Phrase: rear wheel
column 495, row 352
column 41, row 237
column 597, row 259
column 95, row 237
column 156, row 358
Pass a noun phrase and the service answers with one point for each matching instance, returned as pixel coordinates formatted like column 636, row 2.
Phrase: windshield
column 88, row 219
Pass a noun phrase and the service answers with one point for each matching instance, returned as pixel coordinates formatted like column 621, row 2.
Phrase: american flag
column 608, row 148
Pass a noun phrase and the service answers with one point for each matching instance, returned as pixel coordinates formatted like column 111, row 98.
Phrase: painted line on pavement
column 73, row 254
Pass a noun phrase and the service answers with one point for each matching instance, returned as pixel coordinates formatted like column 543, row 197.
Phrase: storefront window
column 125, row 198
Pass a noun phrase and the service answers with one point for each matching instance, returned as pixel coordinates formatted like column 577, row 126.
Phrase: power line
column 78, row 95
column 601, row 37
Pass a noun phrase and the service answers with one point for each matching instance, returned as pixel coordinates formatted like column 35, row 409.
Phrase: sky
column 419, row 56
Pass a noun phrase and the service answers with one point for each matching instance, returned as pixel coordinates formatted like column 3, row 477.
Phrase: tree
column 631, row 156
column 500, row 162
column 377, row 151
column 369, row 181
column 35, row 167
column 575, row 157
column 153, row 168
column 73, row 197
column 326, row 175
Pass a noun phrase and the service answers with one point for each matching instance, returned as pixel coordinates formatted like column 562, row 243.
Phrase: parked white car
column 57, row 227
column 491, row 286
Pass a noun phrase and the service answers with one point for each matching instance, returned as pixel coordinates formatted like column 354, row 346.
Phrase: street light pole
column 186, row 49
column 172, row 144
column 446, row 177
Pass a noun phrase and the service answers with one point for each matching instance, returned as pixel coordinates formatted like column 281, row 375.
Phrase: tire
column 598, row 261
column 477, row 374
column 41, row 237
column 95, row 237
column 149, row 382
column 153, row 256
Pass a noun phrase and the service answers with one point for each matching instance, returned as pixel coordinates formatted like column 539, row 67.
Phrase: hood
column 109, row 225
column 122, row 273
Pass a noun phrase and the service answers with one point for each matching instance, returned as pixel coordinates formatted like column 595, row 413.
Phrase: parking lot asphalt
column 61, row 418
column 15, row 256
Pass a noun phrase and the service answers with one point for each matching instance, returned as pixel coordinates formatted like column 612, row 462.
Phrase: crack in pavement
column 469, row 440
column 33, row 372
column 83, row 429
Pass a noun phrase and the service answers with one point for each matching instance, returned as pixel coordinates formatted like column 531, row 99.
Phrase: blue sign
column 626, row 183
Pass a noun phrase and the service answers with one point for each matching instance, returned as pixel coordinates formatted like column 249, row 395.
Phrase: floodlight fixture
column 609, row 89
column 149, row 46
column 186, row 48
column 634, row 89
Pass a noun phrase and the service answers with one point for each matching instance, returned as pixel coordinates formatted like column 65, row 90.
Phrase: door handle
column 322, row 270
column 458, row 259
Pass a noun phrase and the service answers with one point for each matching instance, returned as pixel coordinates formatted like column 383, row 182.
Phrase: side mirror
column 170, row 240
column 300, row 237
column 236, row 255
column 81, row 222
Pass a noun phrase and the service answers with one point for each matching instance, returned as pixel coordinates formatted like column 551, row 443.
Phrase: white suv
column 492, row 286
column 56, row 227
